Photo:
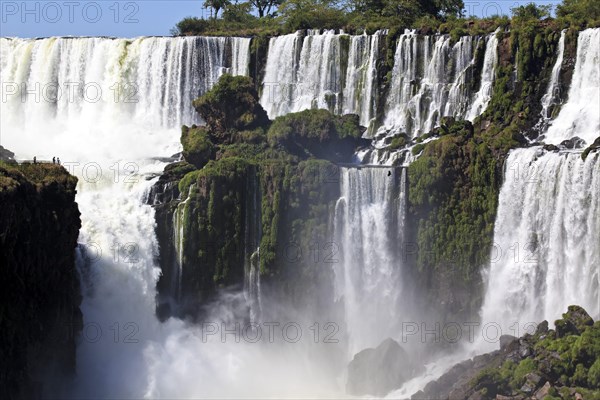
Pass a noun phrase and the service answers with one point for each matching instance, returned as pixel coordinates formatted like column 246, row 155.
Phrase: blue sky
column 126, row 18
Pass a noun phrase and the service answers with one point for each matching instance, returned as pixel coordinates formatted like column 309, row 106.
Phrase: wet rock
column 550, row 147
column 541, row 328
column 379, row 371
column 506, row 340
column 6, row 155
column 573, row 143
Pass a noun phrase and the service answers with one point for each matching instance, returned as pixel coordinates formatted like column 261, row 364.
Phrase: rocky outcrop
column 380, row 370
column 39, row 296
column 6, row 155
column 593, row 147
column 248, row 183
column 563, row 364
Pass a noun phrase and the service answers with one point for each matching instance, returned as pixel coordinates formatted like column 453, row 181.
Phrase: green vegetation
column 197, row 147
column 232, row 166
column 316, row 133
column 231, row 107
column 42, row 175
column 274, row 17
column 568, row 361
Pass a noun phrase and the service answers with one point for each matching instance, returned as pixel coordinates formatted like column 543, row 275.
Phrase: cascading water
column 579, row 116
column 113, row 148
column 361, row 92
column 151, row 79
column 483, row 96
column 429, row 81
column 547, row 243
column 311, row 71
column 369, row 223
column 179, row 218
column 552, row 96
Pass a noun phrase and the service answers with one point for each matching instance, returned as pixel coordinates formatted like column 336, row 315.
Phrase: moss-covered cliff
column 39, row 296
column 455, row 183
column 249, row 183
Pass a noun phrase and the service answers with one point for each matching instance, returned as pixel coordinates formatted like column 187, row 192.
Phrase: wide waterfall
column 116, row 149
column 547, row 238
column 579, row 116
column 547, row 232
column 431, row 77
column 369, row 223
column 430, row 80
column 311, row 71
column 153, row 80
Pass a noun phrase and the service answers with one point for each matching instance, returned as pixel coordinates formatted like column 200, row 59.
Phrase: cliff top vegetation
column 276, row 17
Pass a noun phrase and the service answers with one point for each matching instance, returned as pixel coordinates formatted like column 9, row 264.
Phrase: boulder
column 574, row 321
column 573, row 143
column 543, row 392
column 506, row 340
column 378, row 371
column 6, row 155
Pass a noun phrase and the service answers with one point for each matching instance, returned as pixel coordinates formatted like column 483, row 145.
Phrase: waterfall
column 153, row 80
column 302, row 72
column 488, row 72
column 361, row 90
column 252, row 236
column 179, row 218
column 123, row 350
column 240, row 63
column 552, row 96
column 547, row 238
column 579, row 116
column 369, row 224
column 429, row 81
column 311, row 71
column 547, row 229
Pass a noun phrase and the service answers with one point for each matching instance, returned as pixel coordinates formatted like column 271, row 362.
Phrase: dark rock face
column 240, row 189
column 564, row 363
column 6, row 155
column 379, row 371
column 231, row 105
column 573, row 143
column 39, row 296
column 593, row 147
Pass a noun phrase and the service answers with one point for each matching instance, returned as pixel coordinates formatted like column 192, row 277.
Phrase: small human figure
column 389, row 173
column 34, row 160
column 53, row 160
column 58, row 160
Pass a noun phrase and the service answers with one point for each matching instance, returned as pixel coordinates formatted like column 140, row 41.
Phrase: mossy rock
column 198, row 149
column 231, row 105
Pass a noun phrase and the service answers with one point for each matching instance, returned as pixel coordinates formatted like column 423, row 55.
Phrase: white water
column 488, row 72
column 369, row 223
column 153, row 80
column 552, row 95
column 305, row 72
column 547, row 230
column 547, row 239
column 124, row 351
column 579, row 116
column 425, row 87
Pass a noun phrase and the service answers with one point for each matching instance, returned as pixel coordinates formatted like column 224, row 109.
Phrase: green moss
column 197, row 146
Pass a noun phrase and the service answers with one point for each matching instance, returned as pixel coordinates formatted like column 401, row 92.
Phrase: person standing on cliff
column 58, row 160
column 34, row 160
column 53, row 160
